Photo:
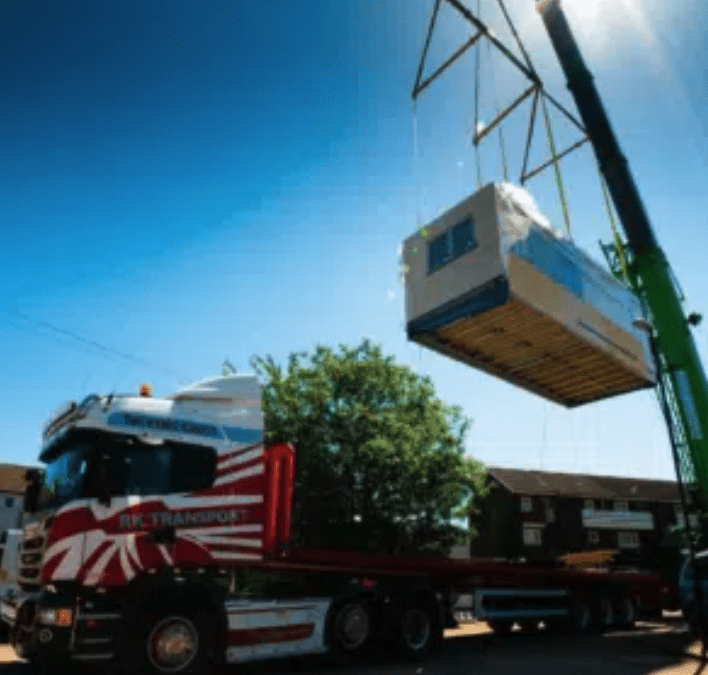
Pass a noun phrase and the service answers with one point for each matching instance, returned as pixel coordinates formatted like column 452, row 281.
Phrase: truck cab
column 135, row 486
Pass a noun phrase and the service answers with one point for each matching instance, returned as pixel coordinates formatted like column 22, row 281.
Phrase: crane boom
column 650, row 275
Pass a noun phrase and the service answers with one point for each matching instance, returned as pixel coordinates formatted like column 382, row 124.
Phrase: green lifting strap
column 556, row 168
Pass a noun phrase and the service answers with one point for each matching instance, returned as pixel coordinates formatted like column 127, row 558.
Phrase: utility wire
column 105, row 350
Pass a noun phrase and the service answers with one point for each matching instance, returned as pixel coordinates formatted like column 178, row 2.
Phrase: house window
column 678, row 512
column 628, row 539
column 9, row 502
column 462, row 238
column 550, row 514
column 526, row 505
column 451, row 245
column 532, row 536
column 438, row 252
column 590, row 504
column 593, row 537
column 621, row 506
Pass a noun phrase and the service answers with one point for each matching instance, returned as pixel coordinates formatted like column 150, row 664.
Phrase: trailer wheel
column 349, row 627
column 627, row 612
column 416, row 632
column 581, row 617
column 605, row 617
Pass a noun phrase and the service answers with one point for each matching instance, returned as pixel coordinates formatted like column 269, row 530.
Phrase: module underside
column 521, row 345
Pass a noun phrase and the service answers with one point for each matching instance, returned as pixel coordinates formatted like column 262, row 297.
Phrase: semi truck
column 151, row 511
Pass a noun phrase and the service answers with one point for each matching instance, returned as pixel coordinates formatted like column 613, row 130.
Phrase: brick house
column 540, row 515
column 12, row 488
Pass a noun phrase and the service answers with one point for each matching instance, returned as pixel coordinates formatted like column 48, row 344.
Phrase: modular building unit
column 489, row 283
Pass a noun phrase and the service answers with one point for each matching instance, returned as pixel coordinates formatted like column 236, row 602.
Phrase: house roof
column 12, row 478
column 547, row 483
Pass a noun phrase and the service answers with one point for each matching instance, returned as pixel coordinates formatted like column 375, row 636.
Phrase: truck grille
column 31, row 562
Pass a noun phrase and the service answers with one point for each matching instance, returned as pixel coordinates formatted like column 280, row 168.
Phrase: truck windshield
column 131, row 468
column 64, row 477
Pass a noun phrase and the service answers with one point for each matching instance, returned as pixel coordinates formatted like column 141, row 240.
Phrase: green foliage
column 380, row 460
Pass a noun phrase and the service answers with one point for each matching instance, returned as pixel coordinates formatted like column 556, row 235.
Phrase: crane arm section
column 650, row 275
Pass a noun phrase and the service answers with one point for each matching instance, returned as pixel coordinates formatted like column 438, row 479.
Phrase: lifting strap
column 477, row 160
column 556, row 167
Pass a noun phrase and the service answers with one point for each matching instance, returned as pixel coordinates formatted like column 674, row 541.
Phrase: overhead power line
column 99, row 347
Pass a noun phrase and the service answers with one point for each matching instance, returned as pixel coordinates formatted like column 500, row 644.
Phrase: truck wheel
column 175, row 643
column 605, row 616
column 627, row 612
column 416, row 632
column 581, row 617
column 349, row 628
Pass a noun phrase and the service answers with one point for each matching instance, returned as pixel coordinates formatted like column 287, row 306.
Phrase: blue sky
column 188, row 181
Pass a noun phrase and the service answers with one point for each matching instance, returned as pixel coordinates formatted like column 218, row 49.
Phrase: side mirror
column 34, row 484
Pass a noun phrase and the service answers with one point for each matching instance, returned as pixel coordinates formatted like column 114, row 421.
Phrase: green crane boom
column 682, row 375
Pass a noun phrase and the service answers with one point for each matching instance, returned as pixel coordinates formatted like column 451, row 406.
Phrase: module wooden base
column 525, row 347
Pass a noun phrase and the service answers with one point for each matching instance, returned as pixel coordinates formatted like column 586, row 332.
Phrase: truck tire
column 349, row 628
column 604, row 615
column 417, row 632
column 174, row 642
column 627, row 613
column 581, row 619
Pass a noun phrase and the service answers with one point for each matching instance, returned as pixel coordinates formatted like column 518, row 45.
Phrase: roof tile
column 12, row 478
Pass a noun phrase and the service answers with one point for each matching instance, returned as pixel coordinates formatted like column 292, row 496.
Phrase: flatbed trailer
column 335, row 601
column 505, row 591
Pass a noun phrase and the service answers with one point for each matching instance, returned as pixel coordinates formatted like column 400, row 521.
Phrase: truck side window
column 193, row 468
column 136, row 468
column 148, row 471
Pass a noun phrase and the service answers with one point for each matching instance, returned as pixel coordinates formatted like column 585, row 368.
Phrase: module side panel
column 430, row 288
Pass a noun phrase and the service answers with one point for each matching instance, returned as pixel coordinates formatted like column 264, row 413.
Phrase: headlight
column 55, row 617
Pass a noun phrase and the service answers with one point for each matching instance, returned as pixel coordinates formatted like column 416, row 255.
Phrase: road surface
column 650, row 649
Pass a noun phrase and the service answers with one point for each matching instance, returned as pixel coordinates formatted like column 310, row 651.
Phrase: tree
column 380, row 460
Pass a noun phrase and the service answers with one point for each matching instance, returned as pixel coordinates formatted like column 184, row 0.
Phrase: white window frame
column 628, row 540
column 621, row 505
column 526, row 505
column 593, row 537
column 532, row 536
